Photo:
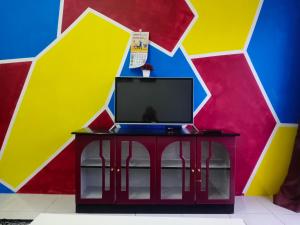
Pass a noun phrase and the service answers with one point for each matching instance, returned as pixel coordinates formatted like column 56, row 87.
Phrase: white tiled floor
column 253, row 210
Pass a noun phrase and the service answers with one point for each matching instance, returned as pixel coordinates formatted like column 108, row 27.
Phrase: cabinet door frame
column 188, row 197
column 202, row 196
column 149, row 142
column 108, row 196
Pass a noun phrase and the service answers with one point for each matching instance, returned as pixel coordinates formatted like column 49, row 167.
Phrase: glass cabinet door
column 214, row 180
column 96, row 171
column 135, row 169
column 219, row 172
column 176, row 169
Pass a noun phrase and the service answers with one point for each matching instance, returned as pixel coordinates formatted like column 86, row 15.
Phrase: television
column 141, row 100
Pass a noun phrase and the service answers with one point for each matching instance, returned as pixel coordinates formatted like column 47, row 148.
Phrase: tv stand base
column 169, row 209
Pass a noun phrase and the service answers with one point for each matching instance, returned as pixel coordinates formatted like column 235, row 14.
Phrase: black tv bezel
column 156, row 123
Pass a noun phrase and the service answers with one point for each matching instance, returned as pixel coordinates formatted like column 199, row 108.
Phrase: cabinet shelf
column 92, row 162
column 139, row 193
column 92, row 166
column 92, row 192
column 216, row 163
column 215, row 193
column 216, row 167
column 143, row 164
column 139, row 163
column 171, row 193
column 173, row 163
column 218, row 195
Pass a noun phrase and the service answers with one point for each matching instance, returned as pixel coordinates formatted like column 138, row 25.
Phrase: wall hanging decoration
column 139, row 49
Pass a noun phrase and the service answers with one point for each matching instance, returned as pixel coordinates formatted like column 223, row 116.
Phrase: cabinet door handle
column 193, row 170
column 112, row 169
column 118, row 170
column 198, row 170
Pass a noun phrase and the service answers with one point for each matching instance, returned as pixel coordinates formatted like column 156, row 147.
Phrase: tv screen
column 153, row 100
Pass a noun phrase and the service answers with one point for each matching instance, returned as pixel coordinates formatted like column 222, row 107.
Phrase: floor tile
column 116, row 214
column 275, row 209
column 50, row 219
column 159, row 215
column 258, row 219
column 289, row 219
column 244, row 205
column 63, row 204
column 18, row 215
column 5, row 199
column 207, row 215
column 29, row 202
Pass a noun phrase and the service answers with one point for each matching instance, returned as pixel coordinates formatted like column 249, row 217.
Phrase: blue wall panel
column 27, row 27
column 4, row 189
column 275, row 52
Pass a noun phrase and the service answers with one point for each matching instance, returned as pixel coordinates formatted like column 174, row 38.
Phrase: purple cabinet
column 152, row 173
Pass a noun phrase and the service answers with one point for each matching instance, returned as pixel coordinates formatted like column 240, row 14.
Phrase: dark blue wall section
column 166, row 66
column 275, row 52
column 27, row 27
column 4, row 189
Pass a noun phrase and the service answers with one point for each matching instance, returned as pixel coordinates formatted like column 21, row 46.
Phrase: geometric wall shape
column 50, row 179
column 165, row 66
column 27, row 27
column 68, row 86
column 236, row 104
column 274, row 166
column 103, row 121
column 221, row 26
column 4, row 189
column 57, row 177
column 274, row 50
column 165, row 20
column 12, row 78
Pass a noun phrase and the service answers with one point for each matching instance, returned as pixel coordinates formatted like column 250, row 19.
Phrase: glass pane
column 218, row 185
column 204, row 153
column 124, row 156
column 204, row 157
column 91, row 182
column 187, row 186
column 219, row 172
column 91, row 154
column 220, row 157
column 139, row 172
column 107, row 179
column 186, row 155
column 171, row 172
column 203, row 180
column 123, row 179
column 106, row 156
column 106, row 151
column 91, row 171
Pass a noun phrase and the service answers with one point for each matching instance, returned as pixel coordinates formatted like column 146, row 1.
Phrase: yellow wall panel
column 221, row 26
column 274, row 166
column 69, row 84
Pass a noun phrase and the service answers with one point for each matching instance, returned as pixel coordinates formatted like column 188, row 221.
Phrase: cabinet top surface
column 155, row 132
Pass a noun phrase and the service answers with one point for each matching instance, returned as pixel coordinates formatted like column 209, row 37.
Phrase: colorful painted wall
column 59, row 58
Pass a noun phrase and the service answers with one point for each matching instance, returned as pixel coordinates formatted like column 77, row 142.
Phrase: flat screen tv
column 153, row 100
